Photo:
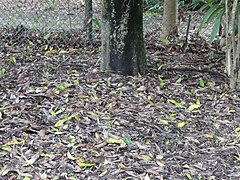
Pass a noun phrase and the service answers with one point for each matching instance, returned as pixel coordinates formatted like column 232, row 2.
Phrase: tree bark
column 123, row 49
column 170, row 17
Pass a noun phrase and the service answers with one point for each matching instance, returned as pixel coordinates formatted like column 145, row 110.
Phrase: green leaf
column 201, row 83
column 216, row 27
column 179, row 80
column 161, row 83
column 47, row 36
column 62, row 86
column 76, row 82
column 86, row 164
column 2, row 71
column 96, row 22
column 150, row 102
column 206, row 5
column 127, row 140
column 165, row 40
column 215, row 14
column 54, row 113
column 181, row 124
column 148, row 141
column 207, row 16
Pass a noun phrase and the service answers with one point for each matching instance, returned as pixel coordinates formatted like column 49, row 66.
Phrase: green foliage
column 153, row 5
column 215, row 10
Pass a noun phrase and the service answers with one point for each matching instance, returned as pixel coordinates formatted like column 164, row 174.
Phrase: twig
column 188, row 27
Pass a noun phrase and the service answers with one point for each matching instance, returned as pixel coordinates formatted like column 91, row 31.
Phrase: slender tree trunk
column 87, row 26
column 170, row 17
column 123, row 48
column 232, row 44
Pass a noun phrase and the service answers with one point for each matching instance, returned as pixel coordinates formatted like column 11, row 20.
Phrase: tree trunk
column 232, row 44
column 123, row 48
column 87, row 26
column 170, row 17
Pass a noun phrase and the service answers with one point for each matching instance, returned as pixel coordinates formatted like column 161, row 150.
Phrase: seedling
column 161, row 83
column 201, row 83
column 2, row 71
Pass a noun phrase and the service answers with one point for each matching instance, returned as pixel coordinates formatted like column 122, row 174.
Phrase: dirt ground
column 62, row 118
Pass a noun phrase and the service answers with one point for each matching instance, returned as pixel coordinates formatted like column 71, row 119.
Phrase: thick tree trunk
column 123, row 48
column 170, row 17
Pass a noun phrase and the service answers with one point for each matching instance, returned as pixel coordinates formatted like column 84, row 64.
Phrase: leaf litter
column 62, row 118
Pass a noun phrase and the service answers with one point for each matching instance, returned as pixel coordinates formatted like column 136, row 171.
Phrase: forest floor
column 62, row 118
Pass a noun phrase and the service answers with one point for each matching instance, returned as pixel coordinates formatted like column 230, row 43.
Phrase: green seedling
column 62, row 87
column 2, row 71
column 201, row 83
column 161, row 83
column 76, row 82
column 176, row 103
column 56, row 111
column 160, row 67
column 12, row 60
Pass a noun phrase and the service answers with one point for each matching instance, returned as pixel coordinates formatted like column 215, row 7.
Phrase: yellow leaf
column 237, row 158
column 176, row 103
column 145, row 158
column 164, row 122
column 6, row 148
column 142, row 88
column 181, row 124
column 114, row 141
column 232, row 111
column 208, row 135
column 198, row 102
column 141, row 146
column 27, row 178
column 86, row 164
column 193, row 107
column 150, row 102
column 70, row 156
column 60, row 122
column 49, row 155
column 77, row 117
column 32, row 160
column 14, row 142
